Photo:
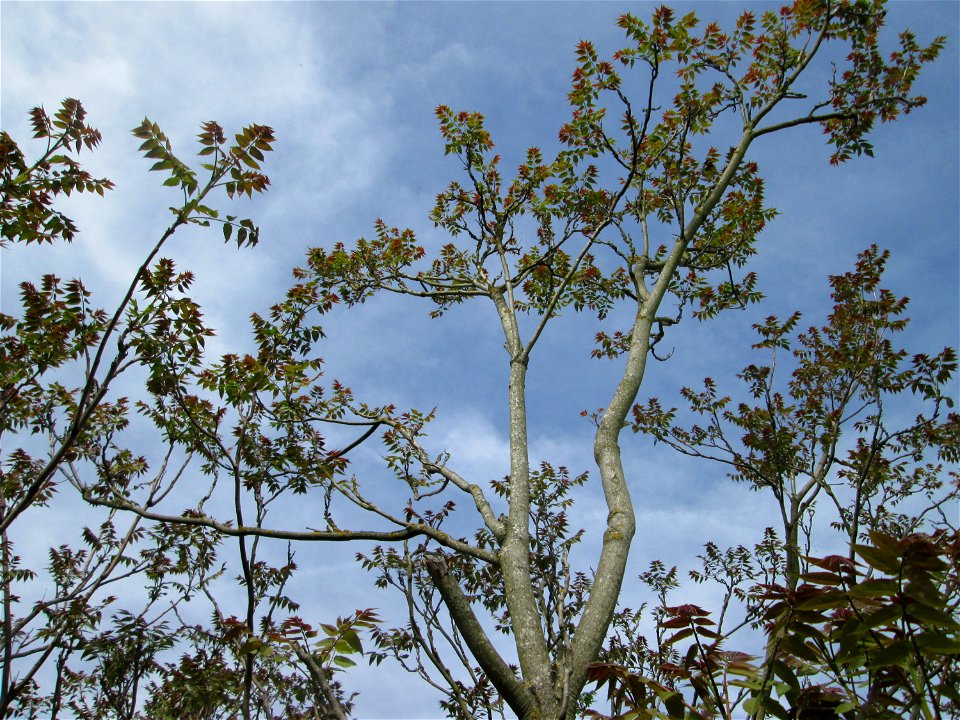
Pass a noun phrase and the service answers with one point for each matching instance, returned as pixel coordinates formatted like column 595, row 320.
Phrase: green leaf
column 798, row 648
column 891, row 655
column 932, row 617
column 950, row 691
column 673, row 701
column 844, row 707
column 824, row 600
column 874, row 588
column 883, row 616
column 884, row 561
column 353, row 640
column 938, row 643
column 249, row 162
column 343, row 646
column 776, row 709
column 783, row 671
column 343, row 662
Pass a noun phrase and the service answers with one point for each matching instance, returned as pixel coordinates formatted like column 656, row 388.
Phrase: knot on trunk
column 436, row 565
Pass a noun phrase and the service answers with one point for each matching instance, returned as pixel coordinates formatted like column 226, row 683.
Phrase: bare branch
column 509, row 686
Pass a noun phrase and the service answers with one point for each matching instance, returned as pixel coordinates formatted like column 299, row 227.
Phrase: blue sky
column 350, row 90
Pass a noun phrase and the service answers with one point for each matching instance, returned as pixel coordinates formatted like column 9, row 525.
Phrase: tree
column 846, row 375
column 635, row 214
column 873, row 637
column 869, row 630
column 157, row 330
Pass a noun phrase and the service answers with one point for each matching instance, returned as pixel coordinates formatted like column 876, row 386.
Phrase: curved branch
column 418, row 528
column 359, row 441
column 511, row 689
column 806, row 120
column 245, row 531
column 476, row 492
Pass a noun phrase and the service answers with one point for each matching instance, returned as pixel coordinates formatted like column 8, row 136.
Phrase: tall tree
column 637, row 212
column 858, row 599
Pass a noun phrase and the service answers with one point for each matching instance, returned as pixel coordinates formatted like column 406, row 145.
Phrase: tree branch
column 806, row 120
column 517, row 696
column 319, row 676
column 476, row 492
column 246, row 531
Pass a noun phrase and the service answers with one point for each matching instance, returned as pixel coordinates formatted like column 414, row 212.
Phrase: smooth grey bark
column 324, row 692
column 516, row 695
column 526, row 623
column 621, row 523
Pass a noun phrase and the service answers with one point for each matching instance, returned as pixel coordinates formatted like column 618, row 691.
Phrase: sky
column 350, row 90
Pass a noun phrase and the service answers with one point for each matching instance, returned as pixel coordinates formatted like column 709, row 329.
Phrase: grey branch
column 501, row 675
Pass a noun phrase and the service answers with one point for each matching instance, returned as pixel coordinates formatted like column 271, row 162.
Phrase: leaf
column 800, row 649
column 677, row 637
column 884, row 561
column 775, row 708
column 342, row 646
column 784, row 672
column 821, row 578
column 891, row 655
column 824, row 600
column 883, row 616
column 673, row 701
column 874, row 588
column 929, row 616
column 249, row 162
column 938, row 643
column 353, row 640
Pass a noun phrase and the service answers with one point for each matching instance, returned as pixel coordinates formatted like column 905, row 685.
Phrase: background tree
column 797, row 444
column 61, row 361
column 865, row 426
